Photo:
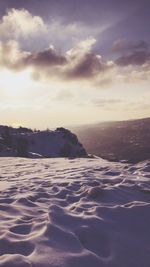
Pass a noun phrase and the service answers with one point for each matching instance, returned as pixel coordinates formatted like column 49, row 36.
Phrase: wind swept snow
column 74, row 213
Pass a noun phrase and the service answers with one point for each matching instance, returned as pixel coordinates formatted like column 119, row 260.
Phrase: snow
column 74, row 213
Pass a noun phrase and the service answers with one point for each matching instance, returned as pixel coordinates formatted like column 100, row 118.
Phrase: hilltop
column 24, row 142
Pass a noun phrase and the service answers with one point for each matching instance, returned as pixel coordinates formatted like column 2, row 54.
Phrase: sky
column 73, row 62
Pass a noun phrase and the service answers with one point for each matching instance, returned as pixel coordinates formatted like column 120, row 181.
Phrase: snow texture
column 74, row 213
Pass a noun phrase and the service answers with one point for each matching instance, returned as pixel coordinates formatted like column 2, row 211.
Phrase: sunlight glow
column 15, row 84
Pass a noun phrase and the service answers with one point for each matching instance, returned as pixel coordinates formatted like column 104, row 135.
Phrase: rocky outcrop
column 26, row 143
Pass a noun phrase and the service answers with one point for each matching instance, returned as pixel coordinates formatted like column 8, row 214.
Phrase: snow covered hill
column 23, row 142
column 74, row 213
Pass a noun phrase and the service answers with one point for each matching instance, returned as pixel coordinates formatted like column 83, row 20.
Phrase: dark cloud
column 84, row 66
column 135, row 58
column 12, row 57
column 125, row 46
column 132, row 53
column 46, row 58
column 89, row 65
column 79, row 63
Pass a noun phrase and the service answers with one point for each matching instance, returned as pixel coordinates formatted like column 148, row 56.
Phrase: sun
column 15, row 84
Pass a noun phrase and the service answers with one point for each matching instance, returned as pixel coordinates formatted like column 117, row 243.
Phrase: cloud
column 138, row 74
column 11, row 57
column 82, row 63
column 135, row 58
column 131, row 53
column 20, row 23
column 106, row 102
column 79, row 63
column 46, row 58
column 125, row 46
column 66, row 34
column 81, row 48
column 87, row 66
column 64, row 95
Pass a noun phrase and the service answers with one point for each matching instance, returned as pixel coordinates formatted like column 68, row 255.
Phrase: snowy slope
column 74, row 213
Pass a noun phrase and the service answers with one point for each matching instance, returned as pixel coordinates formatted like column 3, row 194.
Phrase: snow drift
column 74, row 213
